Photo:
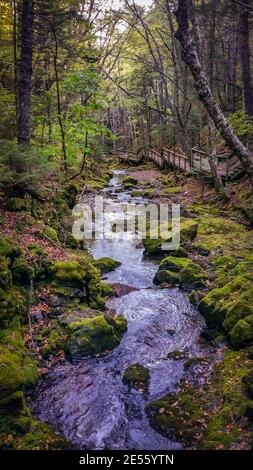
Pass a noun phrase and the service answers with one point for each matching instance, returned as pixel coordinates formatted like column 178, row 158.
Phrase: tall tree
column 244, row 31
column 190, row 56
column 25, row 73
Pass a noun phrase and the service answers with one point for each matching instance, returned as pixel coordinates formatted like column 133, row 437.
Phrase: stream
column 87, row 401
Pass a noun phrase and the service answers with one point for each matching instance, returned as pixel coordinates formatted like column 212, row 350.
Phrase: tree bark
column 190, row 55
column 244, row 33
column 25, row 73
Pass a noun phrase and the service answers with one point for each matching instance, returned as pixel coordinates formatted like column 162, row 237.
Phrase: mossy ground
column 212, row 416
column 65, row 282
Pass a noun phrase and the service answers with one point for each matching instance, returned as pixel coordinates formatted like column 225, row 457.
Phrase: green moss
column 16, row 204
column 242, row 333
column 41, row 437
column 176, row 415
column 68, row 273
column 173, row 190
column 22, row 273
column 216, row 234
column 174, row 264
column 181, row 271
column 11, row 374
column 107, row 289
column 51, row 234
column 153, row 244
column 91, row 336
column 106, row 264
column 30, row 371
column 224, row 306
column 137, row 376
column 129, row 181
column 164, row 276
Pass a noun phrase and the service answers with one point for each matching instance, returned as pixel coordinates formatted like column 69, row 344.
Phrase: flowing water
column 88, row 402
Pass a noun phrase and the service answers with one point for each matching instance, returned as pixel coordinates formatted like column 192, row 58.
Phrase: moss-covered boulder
column 242, row 333
column 176, row 415
column 225, row 306
column 96, row 335
column 22, row 272
column 153, row 245
column 137, row 376
column 217, row 233
column 128, row 182
column 180, row 271
column 248, row 382
column 106, row 264
column 16, row 204
column 68, row 273
column 11, row 374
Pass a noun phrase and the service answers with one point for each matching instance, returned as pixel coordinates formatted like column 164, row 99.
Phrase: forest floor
column 214, row 413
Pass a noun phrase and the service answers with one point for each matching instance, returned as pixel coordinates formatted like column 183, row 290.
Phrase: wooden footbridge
column 229, row 166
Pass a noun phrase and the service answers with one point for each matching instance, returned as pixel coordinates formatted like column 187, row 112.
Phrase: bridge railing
column 229, row 165
column 176, row 160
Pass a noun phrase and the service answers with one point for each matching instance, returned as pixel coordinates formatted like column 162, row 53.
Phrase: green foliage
column 23, row 170
column 242, row 124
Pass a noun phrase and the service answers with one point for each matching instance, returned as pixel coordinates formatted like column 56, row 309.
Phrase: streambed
column 87, row 402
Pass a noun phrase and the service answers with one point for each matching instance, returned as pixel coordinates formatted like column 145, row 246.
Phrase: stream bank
column 205, row 389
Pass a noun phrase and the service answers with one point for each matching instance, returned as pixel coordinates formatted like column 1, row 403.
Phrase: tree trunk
column 61, row 125
column 244, row 33
column 25, row 73
column 190, row 56
column 213, row 161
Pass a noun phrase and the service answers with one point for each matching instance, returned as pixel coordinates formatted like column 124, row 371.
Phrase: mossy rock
column 11, row 374
column 177, row 355
column 5, row 247
column 69, row 273
column 180, row 271
column 224, row 306
column 22, row 273
column 216, row 234
column 56, row 341
column 192, row 277
column 154, row 245
column 16, row 204
column 30, row 371
column 165, row 276
column 92, row 336
column 242, row 333
column 137, row 376
column 41, row 437
column 137, row 193
column 176, row 415
column 41, row 262
column 238, row 311
column 106, row 264
column 72, row 242
column 174, row 264
column 49, row 233
column 129, row 181
column 248, row 382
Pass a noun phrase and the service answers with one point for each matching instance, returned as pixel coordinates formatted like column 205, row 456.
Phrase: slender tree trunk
column 59, row 110
column 213, row 161
column 15, row 60
column 25, row 73
column 190, row 56
column 244, row 33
